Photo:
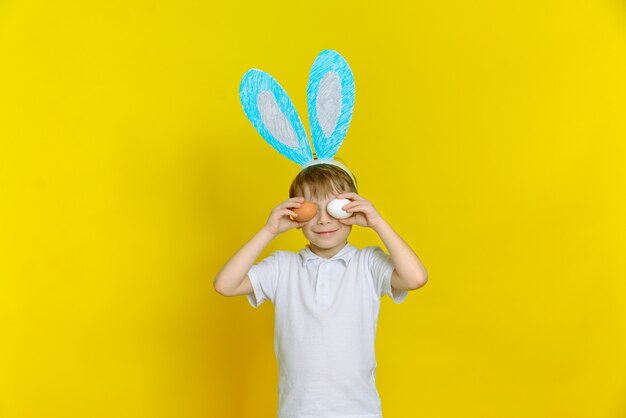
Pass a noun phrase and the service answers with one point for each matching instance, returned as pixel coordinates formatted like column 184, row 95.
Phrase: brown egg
column 306, row 212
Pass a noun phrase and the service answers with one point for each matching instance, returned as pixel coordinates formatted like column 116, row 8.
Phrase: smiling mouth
column 326, row 233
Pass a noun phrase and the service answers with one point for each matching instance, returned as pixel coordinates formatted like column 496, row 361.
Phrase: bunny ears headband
column 330, row 100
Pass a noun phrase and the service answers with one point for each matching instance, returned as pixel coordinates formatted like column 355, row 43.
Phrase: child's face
column 326, row 235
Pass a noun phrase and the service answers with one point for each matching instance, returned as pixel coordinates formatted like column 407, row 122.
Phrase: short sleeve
column 264, row 279
column 381, row 267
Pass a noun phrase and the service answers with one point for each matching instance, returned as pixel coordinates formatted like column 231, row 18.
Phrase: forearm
column 405, row 261
column 235, row 270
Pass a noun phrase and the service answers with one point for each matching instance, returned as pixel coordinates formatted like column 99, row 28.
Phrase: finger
column 348, row 221
column 351, row 205
column 357, row 218
column 356, row 207
column 290, row 204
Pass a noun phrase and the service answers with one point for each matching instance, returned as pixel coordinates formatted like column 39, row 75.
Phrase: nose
column 323, row 217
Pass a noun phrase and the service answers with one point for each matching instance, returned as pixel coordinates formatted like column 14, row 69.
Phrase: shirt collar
column 345, row 254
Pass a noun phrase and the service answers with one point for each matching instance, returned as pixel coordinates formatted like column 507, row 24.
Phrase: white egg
column 334, row 208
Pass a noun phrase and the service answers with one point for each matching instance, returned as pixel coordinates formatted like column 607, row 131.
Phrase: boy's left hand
column 363, row 211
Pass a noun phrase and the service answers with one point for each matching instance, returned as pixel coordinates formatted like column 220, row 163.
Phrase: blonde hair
column 322, row 180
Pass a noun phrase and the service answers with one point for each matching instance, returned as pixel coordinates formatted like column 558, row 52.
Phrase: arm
column 233, row 279
column 409, row 272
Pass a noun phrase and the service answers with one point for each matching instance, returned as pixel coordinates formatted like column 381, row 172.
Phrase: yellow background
column 490, row 134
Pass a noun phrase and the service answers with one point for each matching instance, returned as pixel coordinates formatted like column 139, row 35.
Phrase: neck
column 327, row 252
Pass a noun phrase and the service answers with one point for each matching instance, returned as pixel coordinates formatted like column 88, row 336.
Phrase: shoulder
column 283, row 256
column 277, row 263
column 375, row 258
column 371, row 251
column 368, row 256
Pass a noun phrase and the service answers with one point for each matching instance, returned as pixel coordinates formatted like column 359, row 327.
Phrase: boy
column 326, row 297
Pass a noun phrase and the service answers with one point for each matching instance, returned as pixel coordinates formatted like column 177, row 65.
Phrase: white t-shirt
column 325, row 319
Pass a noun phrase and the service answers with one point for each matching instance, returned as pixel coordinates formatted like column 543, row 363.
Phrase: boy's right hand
column 279, row 220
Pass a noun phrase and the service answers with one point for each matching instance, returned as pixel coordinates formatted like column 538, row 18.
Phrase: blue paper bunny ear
column 273, row 114
column 330, row 97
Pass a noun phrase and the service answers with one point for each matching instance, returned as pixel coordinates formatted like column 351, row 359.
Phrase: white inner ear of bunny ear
column 328, row 102
column 275, row 121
